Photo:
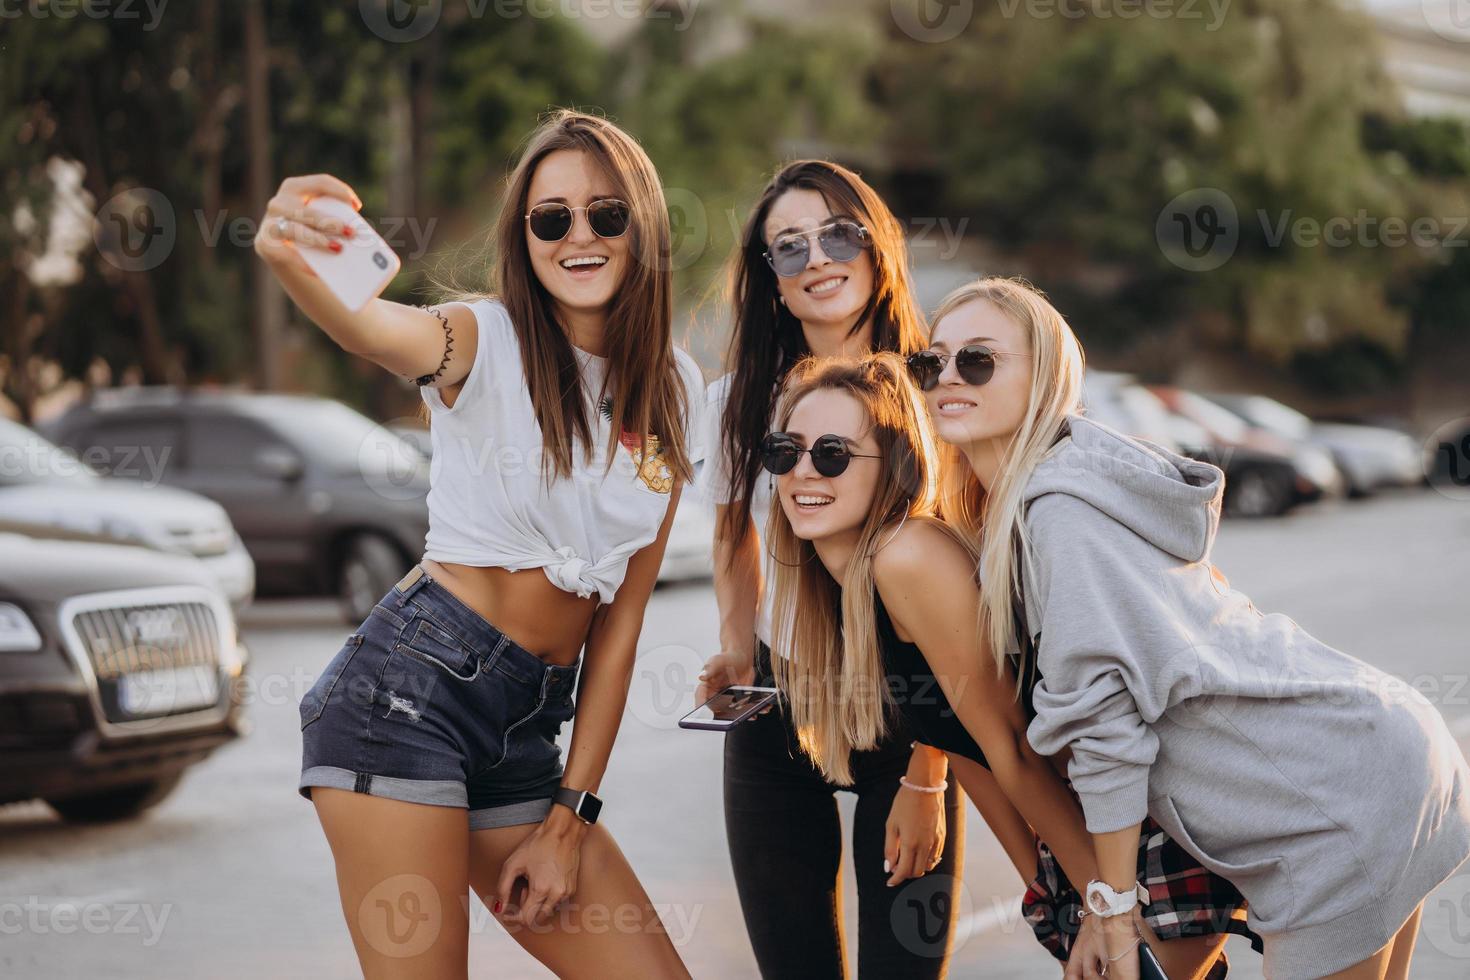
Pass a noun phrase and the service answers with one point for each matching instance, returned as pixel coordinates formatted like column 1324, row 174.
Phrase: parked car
column 1256, row 484
column 41, row 483
column 120, row 667
column 689, row 553
column 326, row 500
column 1369, row 457
column 1267, row 474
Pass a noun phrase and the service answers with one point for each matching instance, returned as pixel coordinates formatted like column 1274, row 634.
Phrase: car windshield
column 1219, row 420
column 343, row 439
column 26, row 457
column 1278, row 418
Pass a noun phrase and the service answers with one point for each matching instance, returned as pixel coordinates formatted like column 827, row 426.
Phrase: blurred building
column 1427, row 51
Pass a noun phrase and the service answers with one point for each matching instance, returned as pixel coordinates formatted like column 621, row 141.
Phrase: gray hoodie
column 1313, row 781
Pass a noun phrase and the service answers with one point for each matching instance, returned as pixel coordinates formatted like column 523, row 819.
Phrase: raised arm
column 406, row 340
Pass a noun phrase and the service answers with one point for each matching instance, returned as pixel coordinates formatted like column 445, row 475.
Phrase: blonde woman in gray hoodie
column 1331, row 794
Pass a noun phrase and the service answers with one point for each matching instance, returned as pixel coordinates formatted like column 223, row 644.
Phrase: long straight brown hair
column 767, row 340
column 643, row 385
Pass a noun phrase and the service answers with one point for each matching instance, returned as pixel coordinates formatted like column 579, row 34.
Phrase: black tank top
column 922, row 702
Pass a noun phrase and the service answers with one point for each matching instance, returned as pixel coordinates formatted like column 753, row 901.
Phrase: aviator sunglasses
column 830, row 455
column 974, row 362
column 608, row 218
column 841, row 241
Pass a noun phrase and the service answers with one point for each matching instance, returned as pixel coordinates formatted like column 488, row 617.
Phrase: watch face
column 590, row 808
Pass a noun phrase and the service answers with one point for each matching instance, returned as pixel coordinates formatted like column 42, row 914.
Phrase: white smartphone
column 365, row 265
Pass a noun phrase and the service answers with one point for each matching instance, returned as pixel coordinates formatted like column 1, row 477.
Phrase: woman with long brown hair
column 564, row 424
column 822, row 268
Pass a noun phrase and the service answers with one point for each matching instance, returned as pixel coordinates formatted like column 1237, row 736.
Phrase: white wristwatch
column 1104, row 902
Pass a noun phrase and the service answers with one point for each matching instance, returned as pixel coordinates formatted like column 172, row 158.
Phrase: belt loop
column 410, row 583
column 495, row 651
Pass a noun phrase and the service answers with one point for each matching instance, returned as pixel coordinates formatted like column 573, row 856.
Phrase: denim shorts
column 429, row 703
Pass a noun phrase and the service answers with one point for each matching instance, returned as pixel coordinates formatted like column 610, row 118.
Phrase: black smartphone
column 729, row 708
column 1148, row 964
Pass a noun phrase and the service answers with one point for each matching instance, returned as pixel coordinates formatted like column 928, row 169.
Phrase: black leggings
column 785, row 840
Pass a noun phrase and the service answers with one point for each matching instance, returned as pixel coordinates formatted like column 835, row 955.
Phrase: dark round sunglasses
column 830, row 455
column 608, row 218
column 974, row 362
column 841, row 241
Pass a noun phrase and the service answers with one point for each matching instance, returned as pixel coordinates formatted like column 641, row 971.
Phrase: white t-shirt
column 489, row 502
column 715, row 482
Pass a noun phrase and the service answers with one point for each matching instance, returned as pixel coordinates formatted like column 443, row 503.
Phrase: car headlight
column 17, row 633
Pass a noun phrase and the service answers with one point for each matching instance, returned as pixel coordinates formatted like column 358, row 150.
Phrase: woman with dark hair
column 822, row 268
column 564, row 423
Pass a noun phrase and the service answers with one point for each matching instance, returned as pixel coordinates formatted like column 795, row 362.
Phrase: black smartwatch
column 580, row 801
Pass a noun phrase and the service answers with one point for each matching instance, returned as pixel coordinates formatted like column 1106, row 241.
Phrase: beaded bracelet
column 943, row 785
column 424, row 379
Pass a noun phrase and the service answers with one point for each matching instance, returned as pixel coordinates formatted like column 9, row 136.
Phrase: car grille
column 150, row 659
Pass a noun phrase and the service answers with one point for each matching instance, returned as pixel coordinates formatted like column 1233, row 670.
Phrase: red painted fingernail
column 346, row 231
column 335, row 246
column 497, row 906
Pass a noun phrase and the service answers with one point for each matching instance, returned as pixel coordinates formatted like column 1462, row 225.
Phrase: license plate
column 167, row 691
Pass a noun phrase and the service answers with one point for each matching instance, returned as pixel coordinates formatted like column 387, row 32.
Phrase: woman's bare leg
column 401, row 873
column 608, row 929
column 1403, row 947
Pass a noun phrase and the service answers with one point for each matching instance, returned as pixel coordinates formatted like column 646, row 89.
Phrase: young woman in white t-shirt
column 562, row 419
column 822, row 268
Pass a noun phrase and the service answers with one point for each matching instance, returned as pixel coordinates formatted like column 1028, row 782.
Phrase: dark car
column 1266, row 475
column 326, row 500
column 120, row 667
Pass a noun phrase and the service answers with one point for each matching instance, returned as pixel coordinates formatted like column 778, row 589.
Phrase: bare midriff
column 525, row 605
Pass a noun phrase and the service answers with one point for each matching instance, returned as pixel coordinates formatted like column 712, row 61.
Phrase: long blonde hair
column 991, row 517
column 830, row 665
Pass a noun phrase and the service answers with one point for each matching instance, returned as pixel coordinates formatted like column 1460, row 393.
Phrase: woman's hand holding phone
column 289, row 222
column 728, row 668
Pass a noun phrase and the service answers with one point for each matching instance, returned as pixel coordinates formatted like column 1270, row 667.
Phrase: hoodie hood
column 1169, row 500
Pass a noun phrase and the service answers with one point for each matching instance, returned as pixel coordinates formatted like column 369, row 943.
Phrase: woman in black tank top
column 876, row 595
